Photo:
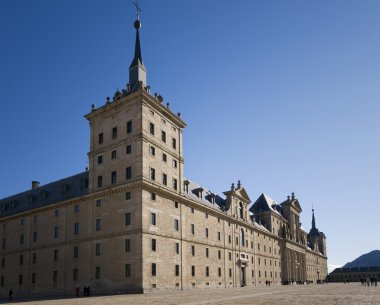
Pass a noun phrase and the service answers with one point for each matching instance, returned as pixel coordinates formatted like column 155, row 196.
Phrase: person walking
column 10, row 295
column 77, row 291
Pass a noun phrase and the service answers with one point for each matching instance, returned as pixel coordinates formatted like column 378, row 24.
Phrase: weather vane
column 138, row 10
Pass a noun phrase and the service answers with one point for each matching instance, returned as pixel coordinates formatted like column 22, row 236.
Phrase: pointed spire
column 313, row 220
column 137, row 70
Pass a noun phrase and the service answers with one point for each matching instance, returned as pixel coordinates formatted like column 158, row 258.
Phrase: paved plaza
column 330, row 294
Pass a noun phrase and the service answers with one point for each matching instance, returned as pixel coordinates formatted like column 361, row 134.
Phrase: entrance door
column 242, row 277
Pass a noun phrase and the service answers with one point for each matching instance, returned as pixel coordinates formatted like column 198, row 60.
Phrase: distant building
column 354, row 274
column 133, row 222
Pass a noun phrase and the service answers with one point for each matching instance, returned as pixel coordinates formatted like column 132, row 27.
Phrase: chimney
column 293, row 197
column 35, row 185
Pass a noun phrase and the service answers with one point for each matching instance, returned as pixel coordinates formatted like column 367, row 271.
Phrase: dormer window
column 241, row 210
column 186, row 185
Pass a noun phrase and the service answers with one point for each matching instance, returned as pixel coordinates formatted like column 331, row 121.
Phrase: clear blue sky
column 283, row 95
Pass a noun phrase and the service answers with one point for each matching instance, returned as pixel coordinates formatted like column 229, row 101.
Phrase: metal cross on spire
column 138, row 10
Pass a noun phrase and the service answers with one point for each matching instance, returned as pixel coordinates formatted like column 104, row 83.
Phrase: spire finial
column 138, row 10
column 313, row 218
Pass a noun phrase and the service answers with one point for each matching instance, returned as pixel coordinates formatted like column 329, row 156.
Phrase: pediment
column 242, row 193
column 297, row 205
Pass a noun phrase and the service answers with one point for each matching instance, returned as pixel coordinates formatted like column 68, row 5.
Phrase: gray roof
column 204, row 196
column 61, row 190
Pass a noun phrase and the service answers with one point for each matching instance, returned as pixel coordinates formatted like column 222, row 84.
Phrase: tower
column 136, row 158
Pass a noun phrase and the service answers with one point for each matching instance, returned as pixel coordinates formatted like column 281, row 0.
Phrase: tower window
column 128, row 173
column 129, row 126
column 97, row 273
column 128, row 149
column 174, row 163
column 76, row 252
column 113, row 154
column 127, row 270
column 153, row 196
column 127, row 219
column 98, row 224
column 154, row 244
column 113, row 177
column 164, row 179
column 176, row 270
column 100, row 181
column 175, row 184
column 114, row 133
column 76, row 228
column 100, row 138
column 127, row 245
column 153, row 218
column 151, row 129
column 97, row 249
column 174, row 143
column 152, row 174
column 163, row 136
column 100, row 159
column 152, row 150
column 154, row 269
column 164, row 157
column 128, row 196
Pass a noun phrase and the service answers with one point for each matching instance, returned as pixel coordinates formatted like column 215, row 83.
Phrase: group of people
column 86, row 291
column 368, row 281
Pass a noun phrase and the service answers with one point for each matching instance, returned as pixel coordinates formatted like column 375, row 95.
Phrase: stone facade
column 133, row 222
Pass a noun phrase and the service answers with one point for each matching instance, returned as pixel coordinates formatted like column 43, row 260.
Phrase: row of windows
column 163, row 135
column 114, row 133
column 164, row 156
column 128, row 176
column 128, row 151
column 164, row 178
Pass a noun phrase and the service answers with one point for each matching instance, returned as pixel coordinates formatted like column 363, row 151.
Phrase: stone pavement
column 329, row 294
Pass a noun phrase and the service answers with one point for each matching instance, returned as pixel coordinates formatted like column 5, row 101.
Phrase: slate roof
column 265, row 203
column 193, row 193
column 61, row 190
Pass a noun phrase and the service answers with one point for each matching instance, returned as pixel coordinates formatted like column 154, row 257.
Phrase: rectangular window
column 75, row 274
column 164, row 157
column 127, row 245
column 175, row 184
column 55, row 254
column 163, row 136
column 33, row 278
column 152, row 150
column 76, row 228
column 3, row 262
column 128, row 173
column 56, row 213
column 98, row 224
column 154, row 269
column 100, row 181
column 153, row 196
column 207, row 271
column 100, row 159
column 152, row 174
column 176, row 204
column 34, row 258
column 176, row 270
column 192, row 210
column 176, row 248
column 56, row 232
column 192, row 228
column 229, row 239
column 2, row 281
column 128, row 196
column 192, row 270
column 128, row 149
column 230, row 272
column 114, row 133
column 97, row 273
column 220, row 272
column 230, row 256
column 113, row 177
column 193, row 250
column 219, row 236
column 219, row 254
column 154, row 244
column 174, row 163
column 35, row 217
column 164, row 179
column 98, row 203
column 174, row 143
column 206, row 232
column 20, row 279
column 76, row 252
column 207, row 252
column 101, row 138
column 153, row 218
column 129, row 127
column 127, row 219
column 34, row 237
column 176, row 224
column 127, row 270
column 21, row 239
column 151, row 129
column 97, row 249
column 21, row 260
column 76, row 208
column 4, row 243
column 113, row 154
